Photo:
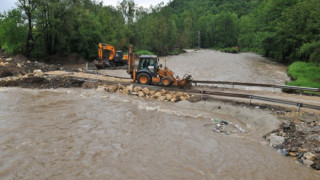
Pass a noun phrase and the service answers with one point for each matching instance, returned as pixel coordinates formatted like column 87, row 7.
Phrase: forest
column 287, row 31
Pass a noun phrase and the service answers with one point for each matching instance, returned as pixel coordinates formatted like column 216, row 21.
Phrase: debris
column 9, row 59
column 275, row 140
column 307, row 162
column 309, row 156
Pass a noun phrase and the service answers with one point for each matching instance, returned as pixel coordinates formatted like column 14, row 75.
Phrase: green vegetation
column 287, row 30
column 304, row 74
column 144, row 52
column 231, row 50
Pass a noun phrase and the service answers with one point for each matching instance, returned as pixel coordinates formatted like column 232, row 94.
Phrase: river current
column 85, row 134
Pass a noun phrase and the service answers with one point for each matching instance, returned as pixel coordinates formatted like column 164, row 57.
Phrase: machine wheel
column 144, row 78
column 166, row 81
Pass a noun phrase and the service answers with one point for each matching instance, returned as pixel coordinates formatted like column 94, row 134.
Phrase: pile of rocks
column 161, row 95
column 17, row 65
column 300, row 140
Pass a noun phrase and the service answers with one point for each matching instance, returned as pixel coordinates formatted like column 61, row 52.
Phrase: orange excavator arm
column 107, row 47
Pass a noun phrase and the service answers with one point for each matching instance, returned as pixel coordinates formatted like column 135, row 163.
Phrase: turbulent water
column 218, row 66
column 84, row 134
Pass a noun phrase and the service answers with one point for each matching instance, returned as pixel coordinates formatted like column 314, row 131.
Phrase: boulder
column 179, row 94
column 128, row 89
column 38, row 73
column 309, row 156
column 141, row 94
column 183, row 98
column 169, row 96
column 18, row 65
column 112, row 89
column 146, row 91
column 163, row 92
column 152, row 92
column 80, row 70
column 162, row 98
column 307, row 162
column 174, row 99
column 9, row 59
column 186, row 95
column 136, row 89
column 276, row 140
column 158, row 94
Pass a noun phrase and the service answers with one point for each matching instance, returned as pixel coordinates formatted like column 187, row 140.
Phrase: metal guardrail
column 258, row 85
column 299, row 105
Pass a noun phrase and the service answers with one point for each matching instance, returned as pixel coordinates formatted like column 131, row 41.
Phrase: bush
column 144, row 52
column 231, row 50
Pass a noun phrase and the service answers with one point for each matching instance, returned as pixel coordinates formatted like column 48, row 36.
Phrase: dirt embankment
column 19, row 65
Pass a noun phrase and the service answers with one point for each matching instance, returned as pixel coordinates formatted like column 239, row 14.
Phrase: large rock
column 183, row 98
column 169, row 96
column 156, row 95
column 163, row 92
column 152, row 92
column 309, row 156
column 9, row 59
column 146, row 91
column 38, row 73
column 128, row 89
column 112, row 89
column 162, row 98
column 136, row 89
column 276, row 140
column 174, row 99
column 307, row 162
column 141, row 94
column 179, row 94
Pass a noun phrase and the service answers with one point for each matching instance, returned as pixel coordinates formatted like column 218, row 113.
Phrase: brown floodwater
column 219, row 66
column 85, row 134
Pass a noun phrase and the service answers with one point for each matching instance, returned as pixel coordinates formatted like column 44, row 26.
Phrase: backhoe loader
column 149, row 71
column 109, row 57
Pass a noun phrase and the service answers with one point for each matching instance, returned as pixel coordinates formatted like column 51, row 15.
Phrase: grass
column 304, row 74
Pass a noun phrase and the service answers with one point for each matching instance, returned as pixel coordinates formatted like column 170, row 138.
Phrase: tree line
column 285, row 30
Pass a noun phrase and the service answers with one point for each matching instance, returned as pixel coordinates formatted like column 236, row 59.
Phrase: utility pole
column 199, row 39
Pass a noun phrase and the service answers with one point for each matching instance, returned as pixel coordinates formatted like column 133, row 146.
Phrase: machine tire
column 166, row 81
column 144, row 78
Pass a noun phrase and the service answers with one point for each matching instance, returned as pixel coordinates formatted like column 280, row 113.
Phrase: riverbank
column 304, row 74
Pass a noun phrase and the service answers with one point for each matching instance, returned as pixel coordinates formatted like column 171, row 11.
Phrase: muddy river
column 85, row 134
column 218, row 66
